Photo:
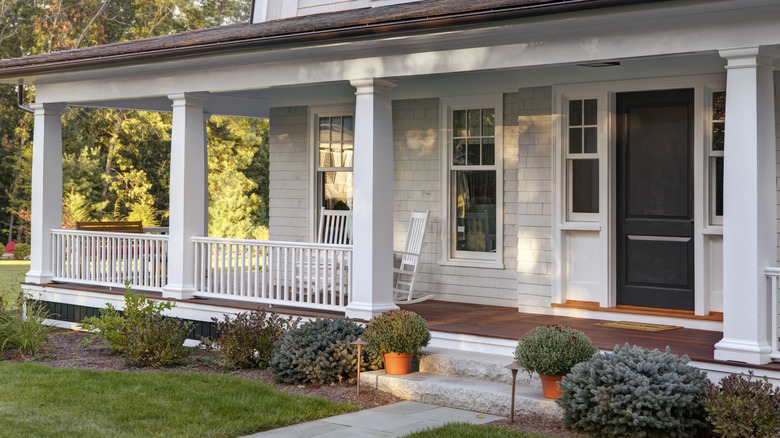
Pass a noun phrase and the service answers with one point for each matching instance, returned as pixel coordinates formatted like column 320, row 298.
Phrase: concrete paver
column 393, row 420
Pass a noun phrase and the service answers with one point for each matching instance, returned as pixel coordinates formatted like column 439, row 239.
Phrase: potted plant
column 551, row 351
column 398, row 335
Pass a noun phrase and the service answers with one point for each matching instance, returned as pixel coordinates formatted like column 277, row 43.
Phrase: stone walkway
column 393, row 420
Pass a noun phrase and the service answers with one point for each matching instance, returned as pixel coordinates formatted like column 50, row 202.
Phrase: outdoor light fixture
column 360, row 343
column 514, row 367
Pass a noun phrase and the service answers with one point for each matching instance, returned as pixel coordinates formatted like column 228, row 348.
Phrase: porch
column 457, row 326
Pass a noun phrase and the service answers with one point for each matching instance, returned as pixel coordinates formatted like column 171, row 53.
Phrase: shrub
column 247, row 340
column 23, row 328
column 553, row 349
column 22, row 251
column 141, row 333
column 2, row 249
column 743, row 407
column 398, row 331
column 320, row 352
column 634, row 392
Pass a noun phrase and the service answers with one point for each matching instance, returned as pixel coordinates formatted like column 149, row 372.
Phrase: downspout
column 20, row 99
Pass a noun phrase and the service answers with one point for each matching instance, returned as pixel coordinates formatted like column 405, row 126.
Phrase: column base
column 366, row 311
column 38, row 277
column 178, row 292
column 736, row 350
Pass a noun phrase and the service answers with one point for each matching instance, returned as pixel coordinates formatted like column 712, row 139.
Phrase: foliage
column 23, row 329
column 22, row 251
column 743, row 407
column 141, row 333
column 553, row 349
column 467, row 430
column 2, row 248
column 398, row 331
column 320, row 351
column 43, row 401
column 634, row 392
column 11, row 275
column 247, row 340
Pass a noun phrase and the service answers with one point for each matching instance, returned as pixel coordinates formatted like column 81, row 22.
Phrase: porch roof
column 422, row 16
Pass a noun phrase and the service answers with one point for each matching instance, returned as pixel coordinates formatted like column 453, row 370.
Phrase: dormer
column 267, row 10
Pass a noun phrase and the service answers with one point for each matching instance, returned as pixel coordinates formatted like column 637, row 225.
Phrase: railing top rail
column 137, row 236
column 275, row 243
column 772, row 271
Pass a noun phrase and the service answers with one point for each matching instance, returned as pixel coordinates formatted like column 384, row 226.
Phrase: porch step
column 462, row 380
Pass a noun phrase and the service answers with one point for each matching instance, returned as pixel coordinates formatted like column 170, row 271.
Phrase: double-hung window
column 335, row 143
column 715, row 152
column 474, row 179
column 582, row 160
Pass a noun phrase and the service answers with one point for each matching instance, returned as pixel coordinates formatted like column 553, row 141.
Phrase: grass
column 11, row 274
column 42, row 401
column 466, row 430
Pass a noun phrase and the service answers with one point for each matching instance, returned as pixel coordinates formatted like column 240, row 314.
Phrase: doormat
column 643, row 326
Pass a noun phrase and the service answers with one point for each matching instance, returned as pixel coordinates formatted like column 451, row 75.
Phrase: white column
column 749, row 222
column 46, row 205
column 187, row 187
column 372, row 223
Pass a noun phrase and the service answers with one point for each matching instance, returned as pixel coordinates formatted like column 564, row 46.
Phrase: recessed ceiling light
column 600, row 64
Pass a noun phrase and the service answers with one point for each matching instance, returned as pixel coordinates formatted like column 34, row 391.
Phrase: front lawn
column 466, row 430
column 38, row 400
column 11, row 274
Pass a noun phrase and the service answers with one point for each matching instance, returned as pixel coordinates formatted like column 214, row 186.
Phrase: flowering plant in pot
column 398, row 334
column 551, row 351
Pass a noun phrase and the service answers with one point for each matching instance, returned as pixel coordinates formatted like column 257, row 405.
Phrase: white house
column 585, row 158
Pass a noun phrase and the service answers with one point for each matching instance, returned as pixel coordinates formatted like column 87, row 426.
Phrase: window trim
column 449, row 255
column 713, row 220
column 313, row 157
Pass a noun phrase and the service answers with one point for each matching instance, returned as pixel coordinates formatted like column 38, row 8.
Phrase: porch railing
column 109, row 259
column 774, row 275
column 305, row 275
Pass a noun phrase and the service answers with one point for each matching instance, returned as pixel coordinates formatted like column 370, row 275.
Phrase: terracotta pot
column 550, row 385
column 397, row 363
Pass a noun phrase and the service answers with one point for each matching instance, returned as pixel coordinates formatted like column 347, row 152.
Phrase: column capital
column 188, row 99
column 372, row 86
column 747, row 57
column 48, row 107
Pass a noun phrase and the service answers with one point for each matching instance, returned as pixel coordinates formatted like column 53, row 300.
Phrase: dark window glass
column 575, row 113
column 488, row 151
column 591, row 114
column 475, row 203
column 585, row 186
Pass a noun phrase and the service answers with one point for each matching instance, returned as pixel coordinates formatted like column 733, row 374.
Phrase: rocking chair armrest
column 403, row 253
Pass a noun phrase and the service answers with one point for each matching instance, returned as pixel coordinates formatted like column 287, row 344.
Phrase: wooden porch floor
column 508, row 323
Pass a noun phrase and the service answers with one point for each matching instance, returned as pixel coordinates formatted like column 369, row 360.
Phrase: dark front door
column 655, row 199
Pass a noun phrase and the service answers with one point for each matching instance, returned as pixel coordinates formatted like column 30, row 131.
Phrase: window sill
column 483, row 264
column 713, row 230
column 580, row 226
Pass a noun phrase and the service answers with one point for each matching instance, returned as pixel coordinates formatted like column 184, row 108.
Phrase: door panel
column 655, row 199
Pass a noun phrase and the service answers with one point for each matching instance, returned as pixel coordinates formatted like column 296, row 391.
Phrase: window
column 582, row 162
column 335, row 143
column 717, row 142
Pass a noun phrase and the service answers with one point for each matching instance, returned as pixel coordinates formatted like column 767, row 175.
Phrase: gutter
column 20, row 100
column 473, row 18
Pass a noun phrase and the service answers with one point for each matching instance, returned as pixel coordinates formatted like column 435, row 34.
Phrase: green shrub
column 398, row 331
column 23, row 328
column 743, row 407
column 141, row 333
column 320, row 352
column 2, row 249
column 247, row 340
column 22, row 251
column 634, row 392
column 553, row 349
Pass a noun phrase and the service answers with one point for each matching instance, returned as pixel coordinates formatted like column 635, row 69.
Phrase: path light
column 514, row 367
column 360, row 343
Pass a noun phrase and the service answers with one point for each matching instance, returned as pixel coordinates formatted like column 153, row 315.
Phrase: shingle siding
column 289, row 181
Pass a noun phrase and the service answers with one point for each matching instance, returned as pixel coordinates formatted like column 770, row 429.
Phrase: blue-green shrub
column 634, row 392
column 320, row 352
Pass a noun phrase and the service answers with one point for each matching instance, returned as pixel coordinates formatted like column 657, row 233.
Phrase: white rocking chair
column 407, row 261
column 335, row 227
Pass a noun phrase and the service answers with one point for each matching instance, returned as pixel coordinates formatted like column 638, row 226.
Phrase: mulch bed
column 67, row 349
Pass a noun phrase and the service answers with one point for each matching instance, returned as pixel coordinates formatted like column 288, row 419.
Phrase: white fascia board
column 556, row 40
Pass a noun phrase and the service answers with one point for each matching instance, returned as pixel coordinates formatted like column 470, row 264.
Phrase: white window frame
column 601, row 146
column 715, row 222
column 315, row 188
column 449, row 255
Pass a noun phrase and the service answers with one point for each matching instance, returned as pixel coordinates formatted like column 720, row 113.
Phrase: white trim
column 448, row 257
column 315, row 112
column 606, row 92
